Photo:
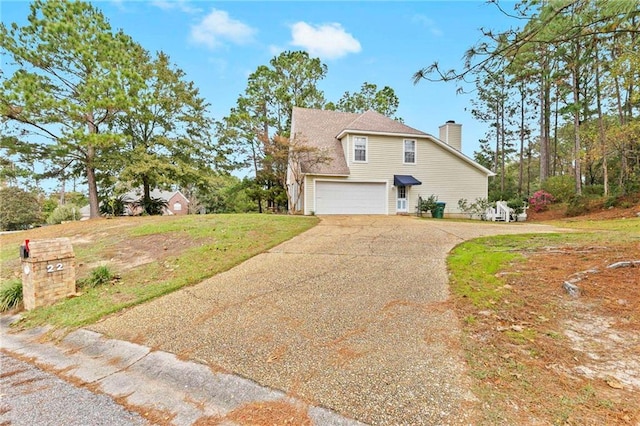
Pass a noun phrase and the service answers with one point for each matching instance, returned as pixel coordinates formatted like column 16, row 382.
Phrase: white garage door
column 350, row 198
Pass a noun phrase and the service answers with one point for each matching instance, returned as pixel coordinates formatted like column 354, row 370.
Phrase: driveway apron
column 351, row 315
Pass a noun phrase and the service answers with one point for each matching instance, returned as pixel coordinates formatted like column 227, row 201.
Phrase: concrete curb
column 181, row 391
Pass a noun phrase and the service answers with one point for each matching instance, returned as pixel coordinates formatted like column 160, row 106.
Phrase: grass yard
column 537, row 355
column 151, row 256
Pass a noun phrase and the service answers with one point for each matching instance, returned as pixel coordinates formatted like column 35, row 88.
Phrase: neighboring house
column 371, row 164
column 177, row 203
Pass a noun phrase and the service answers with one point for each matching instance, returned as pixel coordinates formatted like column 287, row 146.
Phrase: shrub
column 517, row 204
column 464, row 207
column 593, row 190
column 497, row 195
column 562, row 187
column 577, row 205
column 99, row 276
column 10, row 295
column 541, row 200
column 19, row 209
column 478, row 207
column 428, row 204
column 113, row 206
column 151, row 206
column 611, row 201
column 64, row 213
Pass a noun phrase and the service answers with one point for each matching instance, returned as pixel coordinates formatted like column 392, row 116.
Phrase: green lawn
column 474, row 264
column 178, row 251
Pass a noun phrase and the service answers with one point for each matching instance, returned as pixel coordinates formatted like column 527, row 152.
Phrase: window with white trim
column 177, row 207
column 409, row 151
column 360, row 149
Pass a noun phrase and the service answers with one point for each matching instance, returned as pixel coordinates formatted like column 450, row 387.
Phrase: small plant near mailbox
column 10, row 295
column 99, row 276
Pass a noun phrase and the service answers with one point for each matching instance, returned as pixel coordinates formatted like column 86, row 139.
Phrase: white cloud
column 429, row 24
column 181, row 5
column 275, row 50
column 217, row 27
column 327, row 41
column 119, row 4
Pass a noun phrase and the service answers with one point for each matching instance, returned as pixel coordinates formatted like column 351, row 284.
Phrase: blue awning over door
column 405, row 180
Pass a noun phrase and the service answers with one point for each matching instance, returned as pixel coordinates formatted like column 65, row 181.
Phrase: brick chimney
column 451, row 134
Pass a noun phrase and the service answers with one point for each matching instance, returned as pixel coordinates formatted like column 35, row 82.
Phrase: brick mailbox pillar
column 48, row 271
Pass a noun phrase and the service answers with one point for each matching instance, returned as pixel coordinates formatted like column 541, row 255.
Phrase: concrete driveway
column 351, row 315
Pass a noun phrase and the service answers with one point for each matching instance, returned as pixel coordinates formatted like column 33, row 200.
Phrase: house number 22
column 56, row 267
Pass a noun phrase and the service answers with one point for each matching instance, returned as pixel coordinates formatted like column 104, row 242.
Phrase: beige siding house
column 370, row 164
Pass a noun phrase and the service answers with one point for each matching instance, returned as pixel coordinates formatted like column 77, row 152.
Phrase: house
column 177, row 203
column 370, row 164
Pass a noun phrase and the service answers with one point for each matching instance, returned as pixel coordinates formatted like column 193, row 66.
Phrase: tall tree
column 581, row 57
column 493, row 106
column 74, row 75
column 263, row 114
column 166, row 132
column 369, row 97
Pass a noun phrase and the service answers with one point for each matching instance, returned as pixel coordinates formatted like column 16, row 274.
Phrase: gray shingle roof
column 319, row 129
column 372, row 121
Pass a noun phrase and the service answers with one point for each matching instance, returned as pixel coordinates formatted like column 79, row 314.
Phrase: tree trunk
column 62, row 191
column 146, row 189
column 529, row 169
column 544, row 120
column 496, row 155
column 94, row 206
column 555, row 135
column 522, row 124
column 502, row 143
column 603, row 142
column 577, row 148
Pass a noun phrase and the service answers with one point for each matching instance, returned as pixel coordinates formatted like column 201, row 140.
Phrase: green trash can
column 438, row 212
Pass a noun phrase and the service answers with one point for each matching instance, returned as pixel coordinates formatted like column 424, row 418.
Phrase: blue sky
column 218, row 44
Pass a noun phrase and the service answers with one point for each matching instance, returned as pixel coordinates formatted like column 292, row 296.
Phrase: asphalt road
column 30, row 396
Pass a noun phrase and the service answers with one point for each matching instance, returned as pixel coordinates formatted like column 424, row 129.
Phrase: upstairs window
column 409, row 151
column 359, row 148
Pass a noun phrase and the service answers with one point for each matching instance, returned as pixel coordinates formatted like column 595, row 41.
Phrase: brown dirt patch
column 108, row 243
column 541, row 356
column 280, row 413
column 136, row 251
column 598, row 212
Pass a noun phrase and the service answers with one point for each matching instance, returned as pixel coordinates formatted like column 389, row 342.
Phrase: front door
column 401, row 203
